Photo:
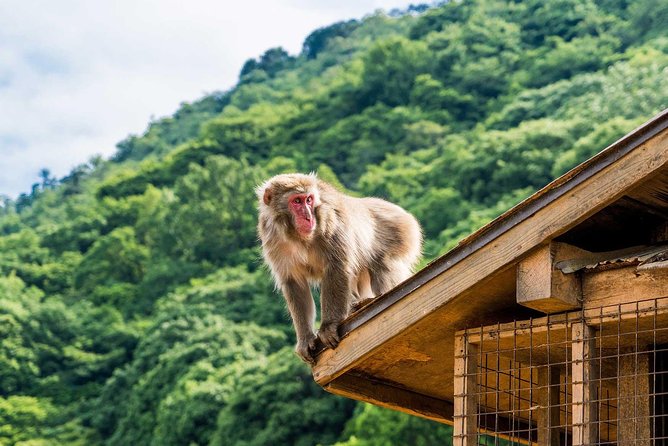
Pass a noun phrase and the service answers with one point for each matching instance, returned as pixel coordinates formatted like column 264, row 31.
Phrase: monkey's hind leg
column 389, row 274
column 362, row 293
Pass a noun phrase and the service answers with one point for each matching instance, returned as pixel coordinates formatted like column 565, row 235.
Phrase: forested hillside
column 134, row 309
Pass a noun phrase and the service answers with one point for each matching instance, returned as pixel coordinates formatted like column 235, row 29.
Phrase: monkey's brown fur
column 359, row 248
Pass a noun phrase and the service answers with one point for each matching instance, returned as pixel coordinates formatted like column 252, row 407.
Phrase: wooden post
column 634, row 400
column 584, row 377
column 548, row 397
column 465, row 397
column 543, row 287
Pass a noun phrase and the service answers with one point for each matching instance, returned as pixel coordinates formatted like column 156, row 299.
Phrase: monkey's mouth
column 305, row 226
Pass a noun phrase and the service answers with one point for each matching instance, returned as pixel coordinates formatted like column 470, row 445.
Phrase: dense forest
column 134, row 308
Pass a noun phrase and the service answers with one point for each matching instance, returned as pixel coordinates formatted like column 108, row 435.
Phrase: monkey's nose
column 307, row 214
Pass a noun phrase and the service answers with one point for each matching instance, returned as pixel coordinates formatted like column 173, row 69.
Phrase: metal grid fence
column 597, row 376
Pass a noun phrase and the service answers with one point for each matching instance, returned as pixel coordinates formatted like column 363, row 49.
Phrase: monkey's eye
column 309, row 199
column 297, row 201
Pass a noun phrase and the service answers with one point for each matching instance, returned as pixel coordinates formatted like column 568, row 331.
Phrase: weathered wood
column 584, row 378
column 556, row 323
column 641, row 313
column 551, row 220
column 542, row 287
column 548, row 414
column 421, row 358
column 634, row 400
column 619, row 258
column 660, row 233
column 382, row 394
column 653, row 193
column 623, row 286
column 465, row 393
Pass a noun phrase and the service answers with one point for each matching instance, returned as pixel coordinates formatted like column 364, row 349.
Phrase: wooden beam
column 584, row 377
column 542, row 287
column 634, row 400
column 522, row 330
column 545, row 216
column 623, row 286
column 548, row 397
column 386, row 395
column 465, row 393
column 641, row 207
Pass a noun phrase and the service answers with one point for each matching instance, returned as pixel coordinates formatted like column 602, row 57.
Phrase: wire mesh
column 597, row 376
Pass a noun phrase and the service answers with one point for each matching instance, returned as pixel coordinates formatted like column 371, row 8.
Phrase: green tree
column 374, row 426
column 390, row 69
column 115, row 258
column 277, row 402
column 235, row 293
column 317, row 41
column 184, row 348
column 19, row 362
column 561, row 60
column 213, row 215
column 32, row 421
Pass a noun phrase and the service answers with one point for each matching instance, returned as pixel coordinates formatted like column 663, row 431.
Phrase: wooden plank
column 542, row 287
column 653, row 193
column 386, row 395
column 465, row 397
column 597, row 315
column 641, row 206
column 623, row 286
column 522, row 329
column 548, row 415
column 421, row 357
column 634, row 400
column 553, row 219
column 584, row 378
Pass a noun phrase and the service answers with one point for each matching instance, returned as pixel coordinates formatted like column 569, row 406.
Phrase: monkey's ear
column 266, row 198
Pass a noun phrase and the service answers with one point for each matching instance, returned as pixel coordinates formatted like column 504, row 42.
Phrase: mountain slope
column 134, row 309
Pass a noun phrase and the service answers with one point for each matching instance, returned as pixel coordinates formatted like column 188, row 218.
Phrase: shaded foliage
column 261, row 410
column 133, row 305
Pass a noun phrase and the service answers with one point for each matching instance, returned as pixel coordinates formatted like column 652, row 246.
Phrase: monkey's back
column 394, row 232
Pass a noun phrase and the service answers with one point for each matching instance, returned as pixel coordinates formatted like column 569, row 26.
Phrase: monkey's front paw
column 329, row 334
column 305, row 349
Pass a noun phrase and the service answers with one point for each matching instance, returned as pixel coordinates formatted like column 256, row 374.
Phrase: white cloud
column 78, row 76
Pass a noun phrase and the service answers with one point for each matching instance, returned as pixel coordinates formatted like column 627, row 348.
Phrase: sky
column 78, row 76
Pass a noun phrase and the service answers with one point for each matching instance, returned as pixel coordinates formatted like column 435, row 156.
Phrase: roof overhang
column 398, row 350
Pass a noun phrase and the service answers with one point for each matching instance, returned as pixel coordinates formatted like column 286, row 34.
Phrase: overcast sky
column 78, row 76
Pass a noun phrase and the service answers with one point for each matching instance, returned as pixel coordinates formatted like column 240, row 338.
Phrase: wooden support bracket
column 542, row 287
column 385, row 394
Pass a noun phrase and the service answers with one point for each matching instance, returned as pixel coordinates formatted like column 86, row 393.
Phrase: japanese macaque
column 353, row 248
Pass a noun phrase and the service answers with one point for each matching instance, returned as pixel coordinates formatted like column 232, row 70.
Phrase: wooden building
column 549, row 325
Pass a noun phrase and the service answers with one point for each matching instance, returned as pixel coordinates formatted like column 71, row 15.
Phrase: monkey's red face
column 302, row 207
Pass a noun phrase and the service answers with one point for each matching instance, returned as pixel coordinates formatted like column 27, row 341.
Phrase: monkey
column 353, row 248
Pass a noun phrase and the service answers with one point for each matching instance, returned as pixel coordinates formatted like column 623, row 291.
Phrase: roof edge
column 511, row 218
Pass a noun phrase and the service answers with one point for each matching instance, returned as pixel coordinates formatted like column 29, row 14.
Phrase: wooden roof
column 398, row 351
